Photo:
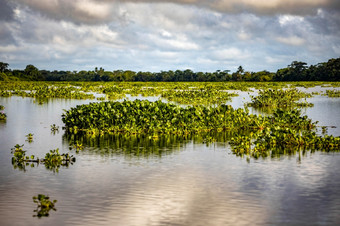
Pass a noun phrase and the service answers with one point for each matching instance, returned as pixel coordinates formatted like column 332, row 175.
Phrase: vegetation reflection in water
column 254, row 135
column 139, row 145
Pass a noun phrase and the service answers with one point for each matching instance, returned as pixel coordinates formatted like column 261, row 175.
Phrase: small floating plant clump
column 332, row 93
column 52, row 161
column 54, row 128
column 44, row 205
column 29, row 137
column 280, row 98
column 3, row 116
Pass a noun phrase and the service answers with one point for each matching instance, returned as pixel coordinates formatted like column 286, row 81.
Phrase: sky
column 155, row 35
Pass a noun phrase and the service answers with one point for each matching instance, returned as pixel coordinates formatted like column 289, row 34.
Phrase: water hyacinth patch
column 279, row 98
column 3, row 116
column 44, row 205
column 198, row 97
column 52, row 161
column 154, row 117
column 285, row 129
column 332, row 93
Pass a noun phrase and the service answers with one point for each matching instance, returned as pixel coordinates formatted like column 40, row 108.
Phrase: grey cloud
column 6, row 35
column 253, row 6
column 6, row 11
column 77, row 11
column 101, row 11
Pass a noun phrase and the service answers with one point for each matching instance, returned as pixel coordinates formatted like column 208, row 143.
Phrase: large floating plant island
column 257, row 135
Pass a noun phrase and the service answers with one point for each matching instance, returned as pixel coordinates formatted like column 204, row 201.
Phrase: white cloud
column 292, row 40
column 230, row 54
column 290, row 19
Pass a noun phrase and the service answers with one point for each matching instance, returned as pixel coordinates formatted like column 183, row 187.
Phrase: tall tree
column 3, row 67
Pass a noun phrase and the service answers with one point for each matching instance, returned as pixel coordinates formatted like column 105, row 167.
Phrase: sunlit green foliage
column 287, row 133
column 253, row 135
column 198, row 97
column 153, row 117
column 42, row 90
column 279, row 98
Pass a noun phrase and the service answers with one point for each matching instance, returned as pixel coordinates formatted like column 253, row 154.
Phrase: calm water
column 172, row 181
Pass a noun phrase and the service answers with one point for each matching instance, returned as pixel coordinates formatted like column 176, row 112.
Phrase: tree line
column 296, row 71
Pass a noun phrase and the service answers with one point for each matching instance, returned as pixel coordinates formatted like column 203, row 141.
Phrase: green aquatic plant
column 332, row 93
column 134, row 117
column 279, row 98
column 3, row 116
column 78, row 146
column 204, row 96
column 254, row 135
column 19, row 159
column 287, row 133
column 4, row 93
column 52, row 161
column 54, row 128
column 44, row 205
column 29, row 137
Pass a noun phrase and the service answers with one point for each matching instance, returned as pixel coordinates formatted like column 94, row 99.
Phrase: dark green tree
column 3, row 67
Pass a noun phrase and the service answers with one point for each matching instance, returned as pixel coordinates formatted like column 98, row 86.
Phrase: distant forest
column 296, row 71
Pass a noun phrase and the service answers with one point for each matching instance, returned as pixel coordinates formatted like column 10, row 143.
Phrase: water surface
column 117, row 181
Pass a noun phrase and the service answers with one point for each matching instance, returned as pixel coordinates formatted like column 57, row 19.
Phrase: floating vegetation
column 288, row 133
column 29, row 137
column 44, row 205
column 78, row 146
column 42, row 90
column 4, row 93
column 138, row 116
column 332, row 93
column 54, row 128
column 254, row 135
column 198, row 97
column 3, row 116
column 52, row 161
column 280, row 98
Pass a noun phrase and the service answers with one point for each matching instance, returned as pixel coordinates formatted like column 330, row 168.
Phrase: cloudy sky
column 155, row 35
